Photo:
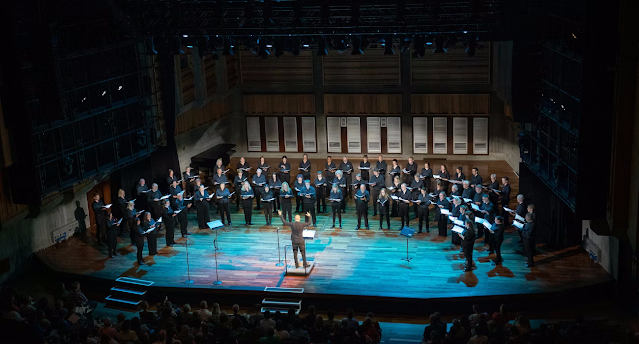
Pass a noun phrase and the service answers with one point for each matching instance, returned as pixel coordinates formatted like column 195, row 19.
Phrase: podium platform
column 301, row 271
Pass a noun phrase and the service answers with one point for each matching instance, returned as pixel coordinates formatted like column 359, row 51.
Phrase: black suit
column 498, row 239
column 169, row 225
column 139, row 240
column 528, row 235
column 403, row 206
column 112, row 237
column 467, row 245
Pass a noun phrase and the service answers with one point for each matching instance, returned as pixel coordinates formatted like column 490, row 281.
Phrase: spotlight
column 419, row 47
column 439, row 45
column 357, row 46
column 339, row 45
column 228, row 47
column 263, row 50
column 388, row 45
column 321, row 47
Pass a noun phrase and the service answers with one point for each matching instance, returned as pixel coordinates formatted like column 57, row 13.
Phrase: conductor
column 297, row 238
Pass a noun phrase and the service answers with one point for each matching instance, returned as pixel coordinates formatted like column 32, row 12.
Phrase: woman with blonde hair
column 286, row 196
column 336, row 197
column 247, row 202
column 383, row 206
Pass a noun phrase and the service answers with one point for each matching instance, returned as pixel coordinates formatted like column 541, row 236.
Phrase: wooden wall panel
column 210, row 78
column 195, row 117
column 355, row 104
column 371, row 68
column 453, row 67
column 188, row 79
column 231, row 71
column 450, row 104
column 280, row 129
column 279, row 104
column 363, row 138
column 287, row 69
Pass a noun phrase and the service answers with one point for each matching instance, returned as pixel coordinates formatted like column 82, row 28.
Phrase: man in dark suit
column 497, row 232
column 528, row 236
column 521, row 211
column 297, row 228
column 468, row 241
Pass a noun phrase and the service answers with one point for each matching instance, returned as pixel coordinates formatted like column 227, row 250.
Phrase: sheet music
column 231, row 194
column 444, row 211
column 268, row 200
column 118, row 223
column 188, row 199
column 158, row 221
column 334, row 200
column 436, row 176
column 519, row 218
column 452, row 218
column 177, row 211
column 459, row 222
column 518, row 224
column 457, row 229
column 394, row 197
column 508, row 210
column 406, row 171
column 364, row 168
column 475, row 206
column 468, row 200
column 107, row 206
column 145, row 191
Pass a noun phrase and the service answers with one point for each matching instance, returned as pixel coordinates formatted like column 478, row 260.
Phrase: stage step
column 136, row 281
column 126, row 290
column 284, row 290
column 282, row 302
column 275, row 309
column 112, row 298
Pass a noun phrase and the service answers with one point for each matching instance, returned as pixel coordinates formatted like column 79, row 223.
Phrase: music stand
column 215, row 225
column 408, row 233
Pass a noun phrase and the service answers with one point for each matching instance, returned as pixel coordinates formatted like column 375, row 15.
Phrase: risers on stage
column 301, row 270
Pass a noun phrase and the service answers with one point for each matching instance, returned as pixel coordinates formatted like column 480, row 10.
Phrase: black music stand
column 215, row 225
column 408, row 233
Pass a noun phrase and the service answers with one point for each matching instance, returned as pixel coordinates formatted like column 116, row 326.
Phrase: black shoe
column 427, row 231
column 141, row 262
column 380, row 227
column 110, row 256
column 374, row 214
column 115, row 254
column 368, row 228
column 340, row 226
column 357, row 228
column 419, row 231
column 230, row 224
column 315, row 225
column 183, row 235
column 188, row 233
column 468, row 270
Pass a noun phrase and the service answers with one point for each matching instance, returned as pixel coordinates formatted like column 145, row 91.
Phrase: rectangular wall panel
column 420, row 135
column 460, row 135
column 394, row 134
column 290, row 134
column 308, row 135
column 271, row 131
column 333, row 134
column 440, row 135
column 353, row 135
column 253, row 134
column 374, row 135
column 480, row 135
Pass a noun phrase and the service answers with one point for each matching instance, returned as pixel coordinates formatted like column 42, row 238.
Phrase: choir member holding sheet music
column 528, row 234
column 149, row 226
column 259, row 181
column 175, row 190
column 130, row 216
column 244, row 166
column 377, row 183
column 140, row 191
column 286, row 196
column 394, row 189
column 100, row 217
column 275, row 185
column 237, row 185
column 263, row 166
column 219, row 178
column 140, row 233
column 153, row 199
column 467, row 191
column 410, row 171
column 361, row 199
column 305, row 167
column 488, row 211
column 308, row 195
column 247, row 195
column 415, row 186
column 347, row 170
column 285, row 170
column 223, row 196
column 504, row 198
column 298, row 186
column 320, row 189
column 444, row 177
column 441, row 214
column 268, row 199
column 519, row 211
column 340, row 180
column 477, row 197
column 493, row 190
column 183, row 207
column 475, row 179
column 330, row 168
column 383, row 203
column 168, row 218
column 468, row 241
column 461, row 220
column 459, row 175
column 381, row 166
column 456, row 213
column 171, row 178
column 121, row 208
column 113, row 227
column 336, row 197
column 189, row 180
column 423, row 203
column 427, row 175
column 403, row 199
column 497, row 231
column 455, row 191
column 201, row 200
column 364, row 168
column 358, row 182
column 219, row 167
column 395, row 170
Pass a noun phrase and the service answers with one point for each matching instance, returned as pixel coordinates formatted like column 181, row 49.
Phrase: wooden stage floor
column 347, row 262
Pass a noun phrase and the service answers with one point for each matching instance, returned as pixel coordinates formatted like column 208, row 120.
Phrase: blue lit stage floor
column 347, row 262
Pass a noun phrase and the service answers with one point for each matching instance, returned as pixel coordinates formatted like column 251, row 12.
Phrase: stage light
column 339, row 45
column 103, row 93
column 419, row 47
column 321, row 47
column 439, row 45
column 227, row 47
column 388, row 45
column 263, row 49
column 357, row 46
column 405, row 44
column 119, row 88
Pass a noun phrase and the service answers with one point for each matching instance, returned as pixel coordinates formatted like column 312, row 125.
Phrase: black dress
column 202, row 207
column 152, row 237
column 442, row 220
column 169, row 225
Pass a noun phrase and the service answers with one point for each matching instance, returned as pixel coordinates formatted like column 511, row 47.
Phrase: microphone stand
column 279, row 257
column 188, row 266
column 217, row 277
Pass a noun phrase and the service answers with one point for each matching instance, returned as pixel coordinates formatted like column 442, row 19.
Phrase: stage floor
column 347, row 262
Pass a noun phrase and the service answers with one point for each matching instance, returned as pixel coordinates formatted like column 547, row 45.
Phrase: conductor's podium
column 308, row 234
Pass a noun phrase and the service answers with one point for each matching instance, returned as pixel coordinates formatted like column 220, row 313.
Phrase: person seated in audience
column 120, row 317
column 435, row 326
column 256, row 316
column 236, row 313
column 146, row 316
column 352, row 322
column 280, row 332
column 480, row 336
column 238, row 329
column 270, row 337
column 80, row 299
column 370, row 330
column 475, row 317
column 186, row 317
column 185, row 336
column 126, row 334
column 375, row 323
column 309, row 319
column 204, row 313
column 335, row 335
column 215, row 313
column 108, row 330
column 267, row 321
column 318, row 333
column 299, row 331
